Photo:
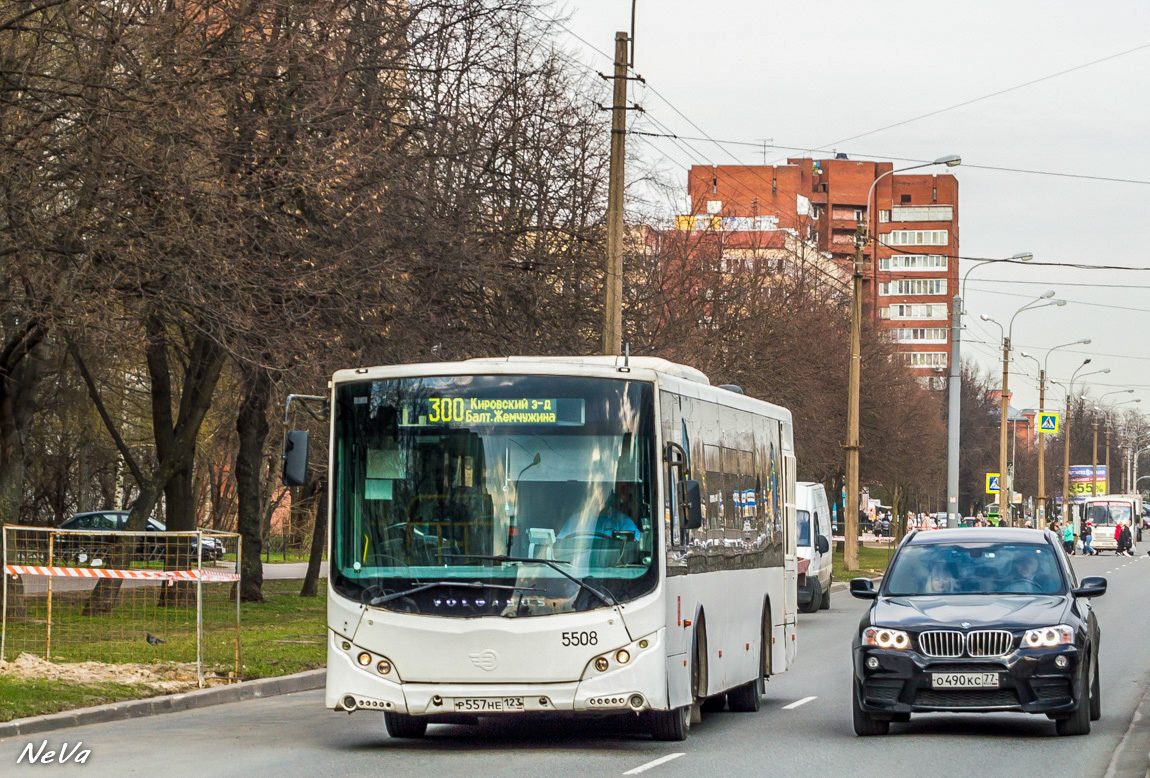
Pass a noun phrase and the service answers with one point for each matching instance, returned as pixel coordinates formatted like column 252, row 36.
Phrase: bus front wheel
column 672, row 725
column 400, row 725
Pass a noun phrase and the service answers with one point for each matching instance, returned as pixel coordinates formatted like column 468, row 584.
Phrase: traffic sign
column 1048, row 423
column 992, row 483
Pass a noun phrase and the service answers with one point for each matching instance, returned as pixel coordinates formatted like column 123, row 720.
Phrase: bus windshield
column 446, row 489
column 1108, row 514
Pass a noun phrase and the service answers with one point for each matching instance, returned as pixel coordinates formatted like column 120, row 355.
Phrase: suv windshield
column 974, row 568
column 437, row 479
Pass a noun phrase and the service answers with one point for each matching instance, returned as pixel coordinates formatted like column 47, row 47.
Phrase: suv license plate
column 489, row 705
column 964, row 680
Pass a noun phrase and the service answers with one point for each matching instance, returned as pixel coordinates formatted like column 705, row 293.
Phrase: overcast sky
column 812, row 75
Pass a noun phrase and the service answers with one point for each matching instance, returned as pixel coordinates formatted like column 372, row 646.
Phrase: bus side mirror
column 692, row 497
column 295, row 458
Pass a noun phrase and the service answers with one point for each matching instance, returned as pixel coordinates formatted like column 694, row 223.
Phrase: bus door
column 790, row 572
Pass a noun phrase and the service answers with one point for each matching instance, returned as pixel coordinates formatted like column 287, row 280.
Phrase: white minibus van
column 813, row 544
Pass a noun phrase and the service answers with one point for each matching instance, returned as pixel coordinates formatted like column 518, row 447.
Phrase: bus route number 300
column 580, row 638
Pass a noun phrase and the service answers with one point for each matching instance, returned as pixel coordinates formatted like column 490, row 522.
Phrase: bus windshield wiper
column 423, row 587
column 605, row 597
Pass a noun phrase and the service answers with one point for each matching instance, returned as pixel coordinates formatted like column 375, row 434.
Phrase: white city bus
column 495, row 547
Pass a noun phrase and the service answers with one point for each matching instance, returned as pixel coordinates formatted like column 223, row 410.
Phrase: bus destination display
column 466, row 411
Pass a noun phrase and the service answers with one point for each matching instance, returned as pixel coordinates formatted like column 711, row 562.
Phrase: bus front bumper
column 639, row 685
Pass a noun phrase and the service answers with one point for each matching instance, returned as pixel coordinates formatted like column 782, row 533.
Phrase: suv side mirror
column 863, row 588
column 1091, row 586
column 693, row 500
column 295, row 458
column 822, row 544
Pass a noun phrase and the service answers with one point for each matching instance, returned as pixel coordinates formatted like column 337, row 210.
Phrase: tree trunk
column 318, row 541
column 180, row 553
column 252, row 428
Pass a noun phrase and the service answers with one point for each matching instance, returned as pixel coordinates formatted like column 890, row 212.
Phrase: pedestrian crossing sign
column 992, row 483
column 1048, row 423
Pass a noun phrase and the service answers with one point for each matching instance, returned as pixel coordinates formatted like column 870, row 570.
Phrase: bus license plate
column 964, row 680
column 489, row 705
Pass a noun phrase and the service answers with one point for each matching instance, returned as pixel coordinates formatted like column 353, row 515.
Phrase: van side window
column 818, row 528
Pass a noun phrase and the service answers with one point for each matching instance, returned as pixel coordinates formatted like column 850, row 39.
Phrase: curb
column 1129, row 759
column 169, row 703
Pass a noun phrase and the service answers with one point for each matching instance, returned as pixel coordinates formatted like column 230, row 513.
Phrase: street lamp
column 1042, row 373
column 1066, row 436
column 954, row 390
column 1043, row 301
column 850, row 540
column 1108, row 428
column 1094, row 459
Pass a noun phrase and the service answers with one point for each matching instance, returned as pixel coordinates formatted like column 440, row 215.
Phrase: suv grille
column 943, row 643
column 980, row 643
column 989, row 642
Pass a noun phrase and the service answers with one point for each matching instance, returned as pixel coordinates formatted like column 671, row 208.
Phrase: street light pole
column 1005, row 482
column 1094, row 471
column 1066, row 437
column 954, row 391
column 1042, row 373
column 851, row 509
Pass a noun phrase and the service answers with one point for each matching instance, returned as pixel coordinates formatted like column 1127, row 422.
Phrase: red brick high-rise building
column 909, row 289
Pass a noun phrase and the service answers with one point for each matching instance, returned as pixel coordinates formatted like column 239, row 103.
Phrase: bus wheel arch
column 699, row 655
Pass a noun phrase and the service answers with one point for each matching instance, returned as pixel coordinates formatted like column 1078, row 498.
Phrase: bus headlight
column 383, row 666
column 622, row 656
column 601, row 664
column 364, row 658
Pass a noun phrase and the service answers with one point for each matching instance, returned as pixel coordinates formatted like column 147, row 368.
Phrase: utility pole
column 1041, row 523
column 1094, row 460
column 613, row 308
column 851, row 526
column 1005, row 487
column 1108, row 490
column 1066, row 457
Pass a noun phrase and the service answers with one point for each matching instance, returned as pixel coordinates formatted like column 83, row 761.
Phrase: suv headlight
column 881, row 637
column 1048, row 637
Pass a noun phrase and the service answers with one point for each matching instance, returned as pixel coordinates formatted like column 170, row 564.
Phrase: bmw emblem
column 965, row 625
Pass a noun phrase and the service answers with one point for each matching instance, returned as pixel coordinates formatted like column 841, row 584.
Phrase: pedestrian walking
column 1125, row 540
column 1088, row 538
column 1068, row 538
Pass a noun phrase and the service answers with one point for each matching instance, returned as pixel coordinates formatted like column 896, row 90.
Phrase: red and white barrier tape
column 211, row 576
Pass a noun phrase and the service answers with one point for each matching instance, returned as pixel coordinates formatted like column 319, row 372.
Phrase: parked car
column 978, row 621
column 97, row 546
column 812, row 543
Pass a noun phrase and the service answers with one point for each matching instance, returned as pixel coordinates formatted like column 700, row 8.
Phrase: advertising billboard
column 1080, row 482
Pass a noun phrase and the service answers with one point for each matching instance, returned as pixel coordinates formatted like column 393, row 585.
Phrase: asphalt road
column 295, row 736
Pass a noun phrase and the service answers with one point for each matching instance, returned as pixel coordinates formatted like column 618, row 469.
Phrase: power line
column 1014, row 88
column 965, row 164
column 1109, row 306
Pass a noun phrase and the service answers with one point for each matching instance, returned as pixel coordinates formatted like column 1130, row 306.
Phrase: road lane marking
column 797, row 703
column 653, row 763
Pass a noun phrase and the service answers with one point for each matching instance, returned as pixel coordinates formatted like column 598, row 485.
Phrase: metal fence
column 153, row 598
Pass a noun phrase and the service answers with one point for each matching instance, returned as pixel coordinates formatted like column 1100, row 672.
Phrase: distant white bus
column 579, row 535
column 1106, row 511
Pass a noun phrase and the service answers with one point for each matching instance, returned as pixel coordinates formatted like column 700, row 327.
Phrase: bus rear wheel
column 401, row 725
column 670, row 725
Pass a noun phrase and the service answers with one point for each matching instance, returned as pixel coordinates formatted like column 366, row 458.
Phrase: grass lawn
column 284, row 634
column 277, row 558
column 873, row 560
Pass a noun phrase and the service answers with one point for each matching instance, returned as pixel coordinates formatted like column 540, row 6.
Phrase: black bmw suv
column 978, row 620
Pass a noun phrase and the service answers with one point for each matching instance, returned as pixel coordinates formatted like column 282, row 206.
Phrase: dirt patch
column 171, row 677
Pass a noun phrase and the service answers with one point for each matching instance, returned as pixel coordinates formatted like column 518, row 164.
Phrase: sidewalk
column 273, row 571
